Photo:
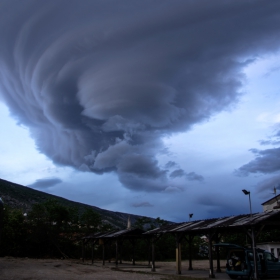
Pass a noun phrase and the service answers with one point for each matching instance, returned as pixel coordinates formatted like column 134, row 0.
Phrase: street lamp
column 252, row 237
column 248, row 193
column 190, row 216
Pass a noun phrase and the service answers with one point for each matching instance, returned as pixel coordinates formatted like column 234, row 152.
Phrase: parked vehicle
column 240, row 262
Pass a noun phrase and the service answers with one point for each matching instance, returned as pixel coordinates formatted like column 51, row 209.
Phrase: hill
column 21, row 197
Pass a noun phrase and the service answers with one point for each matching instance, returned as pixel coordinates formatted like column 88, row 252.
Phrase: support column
column 178, row 255
column 190, row 240
column 211, row 270
column 103, row 253
column 253, row 236
column 109, row 251
column 218, row 260
column 83, row 250
column 117, row 252
column 217, row 238
column 153, row 255
column 133, row 252
column 149, row 251
column 120, row 251
column 92, row 252
column 255, row 254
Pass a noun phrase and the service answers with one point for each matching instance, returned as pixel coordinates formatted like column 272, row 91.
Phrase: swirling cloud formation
column 99, row 83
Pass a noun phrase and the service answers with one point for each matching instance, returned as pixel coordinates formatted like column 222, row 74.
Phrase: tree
column 91, row 221
column 14, row 233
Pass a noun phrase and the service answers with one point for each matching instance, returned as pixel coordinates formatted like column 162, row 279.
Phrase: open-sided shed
column 116, row 236
column 213, row 229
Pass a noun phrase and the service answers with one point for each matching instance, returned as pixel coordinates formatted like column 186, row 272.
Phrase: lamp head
column 246, row 192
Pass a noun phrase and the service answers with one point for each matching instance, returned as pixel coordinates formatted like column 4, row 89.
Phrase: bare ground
column 52, row 269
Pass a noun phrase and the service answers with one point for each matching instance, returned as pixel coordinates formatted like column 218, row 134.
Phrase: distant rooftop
column 272, row 204
column 272, row 200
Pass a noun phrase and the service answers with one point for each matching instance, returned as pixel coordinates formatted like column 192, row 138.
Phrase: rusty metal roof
column 227, row 223
column 232, row 223
column 125, row 233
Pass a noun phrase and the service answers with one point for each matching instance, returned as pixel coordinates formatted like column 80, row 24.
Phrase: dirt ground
column 52, row 269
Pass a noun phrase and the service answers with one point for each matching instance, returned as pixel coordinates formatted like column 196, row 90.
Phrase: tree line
column 49, row 229
column 52, row 230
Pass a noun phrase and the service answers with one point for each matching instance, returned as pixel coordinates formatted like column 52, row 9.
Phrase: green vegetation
column 49, row 230
column 53, row 227
column 23, row 198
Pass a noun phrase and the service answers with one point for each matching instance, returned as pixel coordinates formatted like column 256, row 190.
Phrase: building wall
column 270, row 206
column 272, row 247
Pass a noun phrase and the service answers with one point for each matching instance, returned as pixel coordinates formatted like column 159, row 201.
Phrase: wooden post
column 92, row 249
column 178, row 255
column 103, row 253
column 83, row 250
column 149, row 251
column 217, row 238
column 120, row 251
column 153, row 255
column 254, row 254
column 109, row 251
column 211, row 271
column 117, row 252
column 133, row 252
column 253, row 234
column 218, row 259
column 190, row 240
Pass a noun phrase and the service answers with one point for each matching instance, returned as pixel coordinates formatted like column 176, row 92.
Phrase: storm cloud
column 142, row 204
column 100, row 83
column 45, row 183
column 266, row 161
column 267, row 186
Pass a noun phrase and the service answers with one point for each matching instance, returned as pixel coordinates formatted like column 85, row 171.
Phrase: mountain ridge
column 22, row 197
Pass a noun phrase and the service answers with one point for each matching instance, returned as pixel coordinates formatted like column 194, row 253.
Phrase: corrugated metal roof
column 200, row 226
column 116, row 233
column 233, row 222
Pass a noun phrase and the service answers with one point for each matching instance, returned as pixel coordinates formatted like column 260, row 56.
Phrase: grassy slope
column 21, row 197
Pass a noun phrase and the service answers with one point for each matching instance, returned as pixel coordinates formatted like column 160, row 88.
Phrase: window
column 269, row 257
column 272, row 251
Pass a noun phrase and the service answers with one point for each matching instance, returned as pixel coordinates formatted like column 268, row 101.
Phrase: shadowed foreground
column 35, row 269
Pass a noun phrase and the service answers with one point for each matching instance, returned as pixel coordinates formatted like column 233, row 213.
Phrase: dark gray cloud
column 170, row 164
column 99, row 83
column 192, row 176
column 142, row 204
column 177, row 173
column 266, row 161
column 216, row 206
column 271, row 71
column 45, row 183
column 269, row 142
column 267, row 186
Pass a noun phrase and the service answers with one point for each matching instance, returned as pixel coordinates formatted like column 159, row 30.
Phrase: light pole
column 190, row 216
column 252, row 237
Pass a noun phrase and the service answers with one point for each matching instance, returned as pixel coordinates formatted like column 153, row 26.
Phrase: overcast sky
column 157, row 108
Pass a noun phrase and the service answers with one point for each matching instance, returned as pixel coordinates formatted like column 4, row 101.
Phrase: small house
column 272, row 204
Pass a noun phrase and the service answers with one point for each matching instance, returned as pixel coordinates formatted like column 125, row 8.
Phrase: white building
column 272, row 204
column 272, row 247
